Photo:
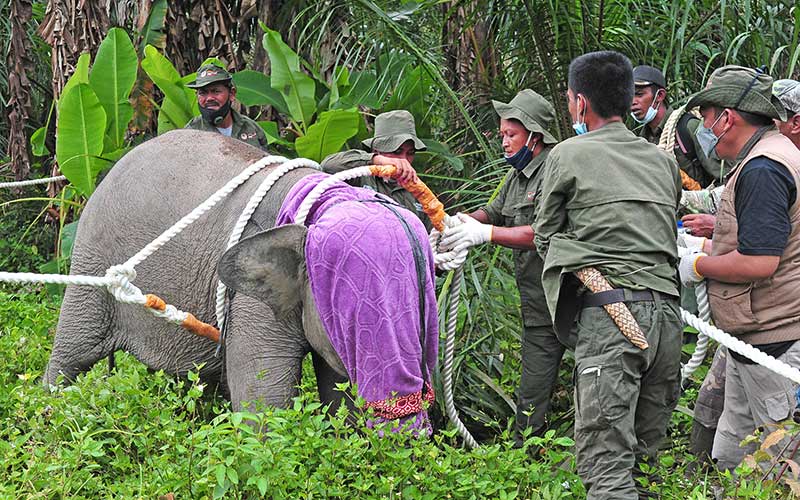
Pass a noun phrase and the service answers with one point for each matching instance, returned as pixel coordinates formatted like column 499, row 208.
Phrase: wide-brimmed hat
column 740, row 88
column 648, row 75
column 208, row 74
column 532, row 110
column 788, row 92
column 392, row 129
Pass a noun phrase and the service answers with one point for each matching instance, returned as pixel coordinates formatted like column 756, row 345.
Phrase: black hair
column 754, row 119
column 605, row 78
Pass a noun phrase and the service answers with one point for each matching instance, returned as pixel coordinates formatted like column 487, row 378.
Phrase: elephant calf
column 354, row 286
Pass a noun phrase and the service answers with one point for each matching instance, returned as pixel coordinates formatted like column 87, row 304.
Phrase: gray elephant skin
column 149, row 189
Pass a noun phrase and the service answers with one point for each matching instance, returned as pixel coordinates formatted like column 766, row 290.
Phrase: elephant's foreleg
column 263, row 358
column 83, row 335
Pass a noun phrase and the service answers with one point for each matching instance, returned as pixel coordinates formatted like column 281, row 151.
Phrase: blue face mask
column 521, row 158
column 707, row 140
column 649, row 115
column 580, row 128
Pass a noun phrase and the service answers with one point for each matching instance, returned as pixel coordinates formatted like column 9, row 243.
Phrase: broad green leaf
column 68, row 238
column 80, row 128
column 170, row 116
column 297, row 88
column 112, row 78
column 167, row 79
column 81, row 73
column 213, row 60
column 328, row 134
column 254, row 89
column 273, row 136
column 37, row 142
column 363, row 91
column 153, row 30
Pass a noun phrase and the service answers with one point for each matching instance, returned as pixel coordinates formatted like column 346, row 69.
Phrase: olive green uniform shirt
column 243, row 128
column 353, row 158
column 515, row 205
column 608, row 200
column 697, row 165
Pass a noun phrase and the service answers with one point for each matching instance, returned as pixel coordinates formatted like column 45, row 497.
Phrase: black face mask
column 216, row 116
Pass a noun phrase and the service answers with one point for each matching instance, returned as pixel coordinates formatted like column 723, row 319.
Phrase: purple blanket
column 361, row 268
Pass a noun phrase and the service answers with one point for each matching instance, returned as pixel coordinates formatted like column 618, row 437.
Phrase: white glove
column 467, row 234
column 691, row 242
column 448, row 261
column 687, row 268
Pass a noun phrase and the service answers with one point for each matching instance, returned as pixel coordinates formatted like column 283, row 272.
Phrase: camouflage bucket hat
column 740, row 88
column 392, row 130
column 208, row 74
column 532, row 110
column 788, row 92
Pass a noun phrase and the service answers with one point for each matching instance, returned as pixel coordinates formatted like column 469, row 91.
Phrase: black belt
column 617, row 295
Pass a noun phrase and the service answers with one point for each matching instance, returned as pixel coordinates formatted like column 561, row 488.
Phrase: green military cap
column 740, row 88
column 208, row 74
column 788, row 92
column 392, row 129
column 648, row 75
column 534, row 112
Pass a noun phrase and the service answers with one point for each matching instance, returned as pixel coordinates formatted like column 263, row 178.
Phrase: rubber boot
column 700, row 445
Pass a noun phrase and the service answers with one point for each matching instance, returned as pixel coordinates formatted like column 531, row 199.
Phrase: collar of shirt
column 536, row 162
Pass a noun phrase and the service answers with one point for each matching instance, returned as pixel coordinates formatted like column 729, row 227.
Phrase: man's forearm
column 734, row 267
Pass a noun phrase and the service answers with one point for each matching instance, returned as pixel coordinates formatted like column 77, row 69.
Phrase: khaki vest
column 765, row 311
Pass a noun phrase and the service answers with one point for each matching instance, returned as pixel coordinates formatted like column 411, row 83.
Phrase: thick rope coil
column 667, row 143
column 244, row 218
column 204, row 207
column 447, row 363
column 700, row 349
column 32, row 182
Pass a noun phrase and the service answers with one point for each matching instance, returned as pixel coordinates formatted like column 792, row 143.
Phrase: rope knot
column 120, row 286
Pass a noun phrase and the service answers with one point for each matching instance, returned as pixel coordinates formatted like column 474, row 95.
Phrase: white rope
column 117, row 279
column 320, row 188
column 33, row 182
column 701, row 347
column 743, row 348
column 244, row 218
column 202, row 209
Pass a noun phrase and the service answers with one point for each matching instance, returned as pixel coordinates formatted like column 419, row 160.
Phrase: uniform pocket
column 778, row 406
column 732, row 307
column 519, row 214
column 604, row 392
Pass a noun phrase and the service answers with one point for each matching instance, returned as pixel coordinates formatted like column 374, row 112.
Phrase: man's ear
column 794, row 124
column 269, row 266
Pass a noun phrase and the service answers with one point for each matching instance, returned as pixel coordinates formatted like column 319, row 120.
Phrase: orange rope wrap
column 432, row 207
column 688, row 183
column 197, row 327
column 155, row 302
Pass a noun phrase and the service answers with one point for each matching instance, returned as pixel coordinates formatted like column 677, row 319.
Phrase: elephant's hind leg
column 83, row 335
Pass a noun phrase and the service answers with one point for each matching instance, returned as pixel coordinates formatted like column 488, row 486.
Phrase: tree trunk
column 18, row 107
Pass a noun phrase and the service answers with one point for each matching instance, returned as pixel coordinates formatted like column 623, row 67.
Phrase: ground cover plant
column 135, row 434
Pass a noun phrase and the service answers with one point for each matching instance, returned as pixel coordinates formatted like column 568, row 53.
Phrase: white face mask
column 706, row 138
column 650, row 114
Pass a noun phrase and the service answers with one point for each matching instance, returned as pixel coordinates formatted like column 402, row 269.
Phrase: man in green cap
column 711, row 396
column 753, row 262
column 651, row 110
column 608, row 201
column 788, row 92
column 215, row 93
column 507, row 221
column 395, row 143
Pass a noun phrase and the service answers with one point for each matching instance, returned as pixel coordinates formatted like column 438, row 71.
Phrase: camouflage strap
column 618, row 311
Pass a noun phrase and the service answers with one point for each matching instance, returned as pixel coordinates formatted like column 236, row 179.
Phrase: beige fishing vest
column 768, row 310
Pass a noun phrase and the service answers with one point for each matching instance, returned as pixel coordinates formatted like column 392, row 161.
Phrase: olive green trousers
column 624, row 396
column 541, row 357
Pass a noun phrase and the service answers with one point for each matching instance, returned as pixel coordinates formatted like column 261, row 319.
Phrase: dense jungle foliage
column 83, row 82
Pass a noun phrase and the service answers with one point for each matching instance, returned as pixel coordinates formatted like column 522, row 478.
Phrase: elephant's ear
column 269, row 266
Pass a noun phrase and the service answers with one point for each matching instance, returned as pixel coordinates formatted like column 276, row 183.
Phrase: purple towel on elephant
column 361, row 268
